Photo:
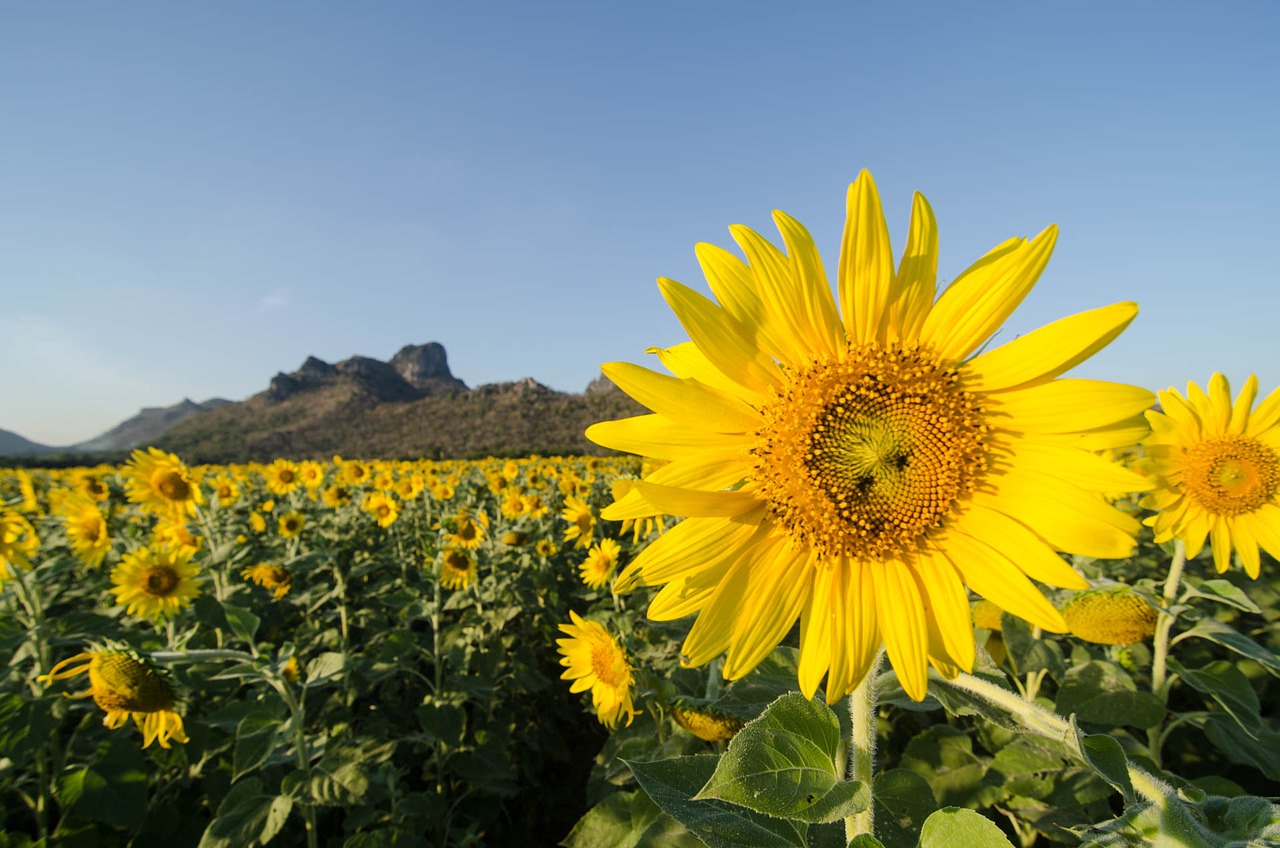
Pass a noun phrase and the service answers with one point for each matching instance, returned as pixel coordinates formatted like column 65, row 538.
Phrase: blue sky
column 194, row 197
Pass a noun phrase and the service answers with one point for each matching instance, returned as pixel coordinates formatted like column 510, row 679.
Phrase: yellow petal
column 1240, row 411
column 1266, row 415
column 689, row 547
column 718, row 335
column 906, row 635
column 686, row 401
column 1067, row 405
column 818, row 619
column 683, row 502
column 820, row 313
column 989, row 573
column 1020, row 544
column 946, row 609
column 777, row 586
column 734, row 286
column 1068, row 519
column 1264, row 526
column 662, row 438
column 866, row 263
column 978, row 302
column 1219, row 402
column 917, row 281
column 1079, row 467
column 1050, row 350
column 712, row 631
column 780, row 292
column 687, row 362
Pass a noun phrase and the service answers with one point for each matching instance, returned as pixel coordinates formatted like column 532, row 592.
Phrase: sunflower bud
column 706, row 724
column 1110, row 616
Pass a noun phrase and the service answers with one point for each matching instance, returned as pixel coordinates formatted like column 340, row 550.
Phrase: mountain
column 11, row 444
column 144, row 428
column 411, row 406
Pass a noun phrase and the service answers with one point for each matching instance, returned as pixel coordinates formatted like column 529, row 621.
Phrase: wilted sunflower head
column 123, row 684
column 1110, row 615
column 274, row 578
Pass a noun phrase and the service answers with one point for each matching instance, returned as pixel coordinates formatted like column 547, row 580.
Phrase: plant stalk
column 862, row 747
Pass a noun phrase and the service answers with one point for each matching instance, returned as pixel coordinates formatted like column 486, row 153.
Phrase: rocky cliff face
column 416, row 371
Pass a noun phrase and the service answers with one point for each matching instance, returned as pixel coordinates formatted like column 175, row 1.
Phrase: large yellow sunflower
column 1217, row 466
column 856, row 466
column 155, row 583
column 124, row 685
column 159, row 483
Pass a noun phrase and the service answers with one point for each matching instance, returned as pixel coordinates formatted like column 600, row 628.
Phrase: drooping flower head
column 856, row 464
column 125, row 685
column 276, row 579
column 159, row 483
column 1110, row 615
column 594, row 660
column 582, row 522
column 1217, row 468
column 86, row 529
column 155, row 583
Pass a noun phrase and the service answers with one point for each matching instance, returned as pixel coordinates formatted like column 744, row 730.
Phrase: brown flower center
column 1231, row 474
column 172, row 486
column 160, row 581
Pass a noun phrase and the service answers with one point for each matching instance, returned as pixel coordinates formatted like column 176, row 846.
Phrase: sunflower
column 124, row 685
column 276, row 579
column 546, row 548
column 86, row 529
column 600, row 563
column 92, row 485
column 594, row 660
column 290, row 524
column 311, row 473
column 382, row 507
column 1217, row 466
column 471, row 530
column 856, row 466
column 225, row 489
column 18, row 541
column 457, row 568
column 707, row 724
column 175, row 534
column 155, row 583
column 257, row 523
column 159, row 483
column 282, row 477
column 336, row 496
column 1110, row 615
column 582, row 522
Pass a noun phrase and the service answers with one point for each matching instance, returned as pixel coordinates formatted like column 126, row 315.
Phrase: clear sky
column 196, row 196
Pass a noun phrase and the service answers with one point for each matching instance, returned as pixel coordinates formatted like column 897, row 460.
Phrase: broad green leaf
column 1222, row 591
column 114, row 798
column 783, row 764
column 952, row 827
column 865, row 840
column 1102, row 693
column 628, row 820
column 325, row 667
column 673, row 783
column 1230, row 689
column 904, row 800
column 1028, row 653
column 943, row 755
column 242, row 622
column 277, row 814
column 1228, row 637
column 255, row 741
column 1106, row 758
column 242, row 818
column 1261, row 751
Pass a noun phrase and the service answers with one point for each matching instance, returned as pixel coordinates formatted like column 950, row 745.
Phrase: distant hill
column 409, row 407
column 144, row 428
column 11, row 444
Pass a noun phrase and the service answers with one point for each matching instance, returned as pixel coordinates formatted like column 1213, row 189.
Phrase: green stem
column 1160, row 682
column 862, row 747
column 300, row 749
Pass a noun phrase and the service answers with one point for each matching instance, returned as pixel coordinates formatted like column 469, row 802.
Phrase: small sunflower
column 311, row 473
column 159, row 483
column 282, row 477
column 600, row 563
column 1111, row 615
column 257, row 523
column 707, row 724
column 86, row 529
column 173, row 532
column 1217, row 468
column 582, row 522
column 336, row 496
column 290, row 524
column 18, row 541
column 457, row 568
column 471, row 530
column 225, row 490
column 515, row 538
column 546, row 548
column 594, row 660
column 125, row 685
column 276, row 579
column 382, row 507
column 155, row 583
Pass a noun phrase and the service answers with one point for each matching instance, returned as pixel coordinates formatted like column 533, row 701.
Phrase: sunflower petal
column 662, row 438
column 917, row 281
column 686, row 401
column 906, row 635
column 866, row 263
column 718, row 335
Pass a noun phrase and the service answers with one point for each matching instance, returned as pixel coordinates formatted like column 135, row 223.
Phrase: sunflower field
column 864, row 580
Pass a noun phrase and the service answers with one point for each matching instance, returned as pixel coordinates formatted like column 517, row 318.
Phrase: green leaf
column 1106, row 758
column 903, row 802
column 952, row 826
column 244, row 816
column 1102, row 693
column 943, row 755
column 1028, row 653
column 1230, row 689
column 1222, row 591
column 865, row 840
column 325, row 667
column 1232, row 639
column 118, row 799
column 1261, row 751
column 242, row 622
column 628, row 820
column 783, row 764
column 673, row 783
column 255, row 741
